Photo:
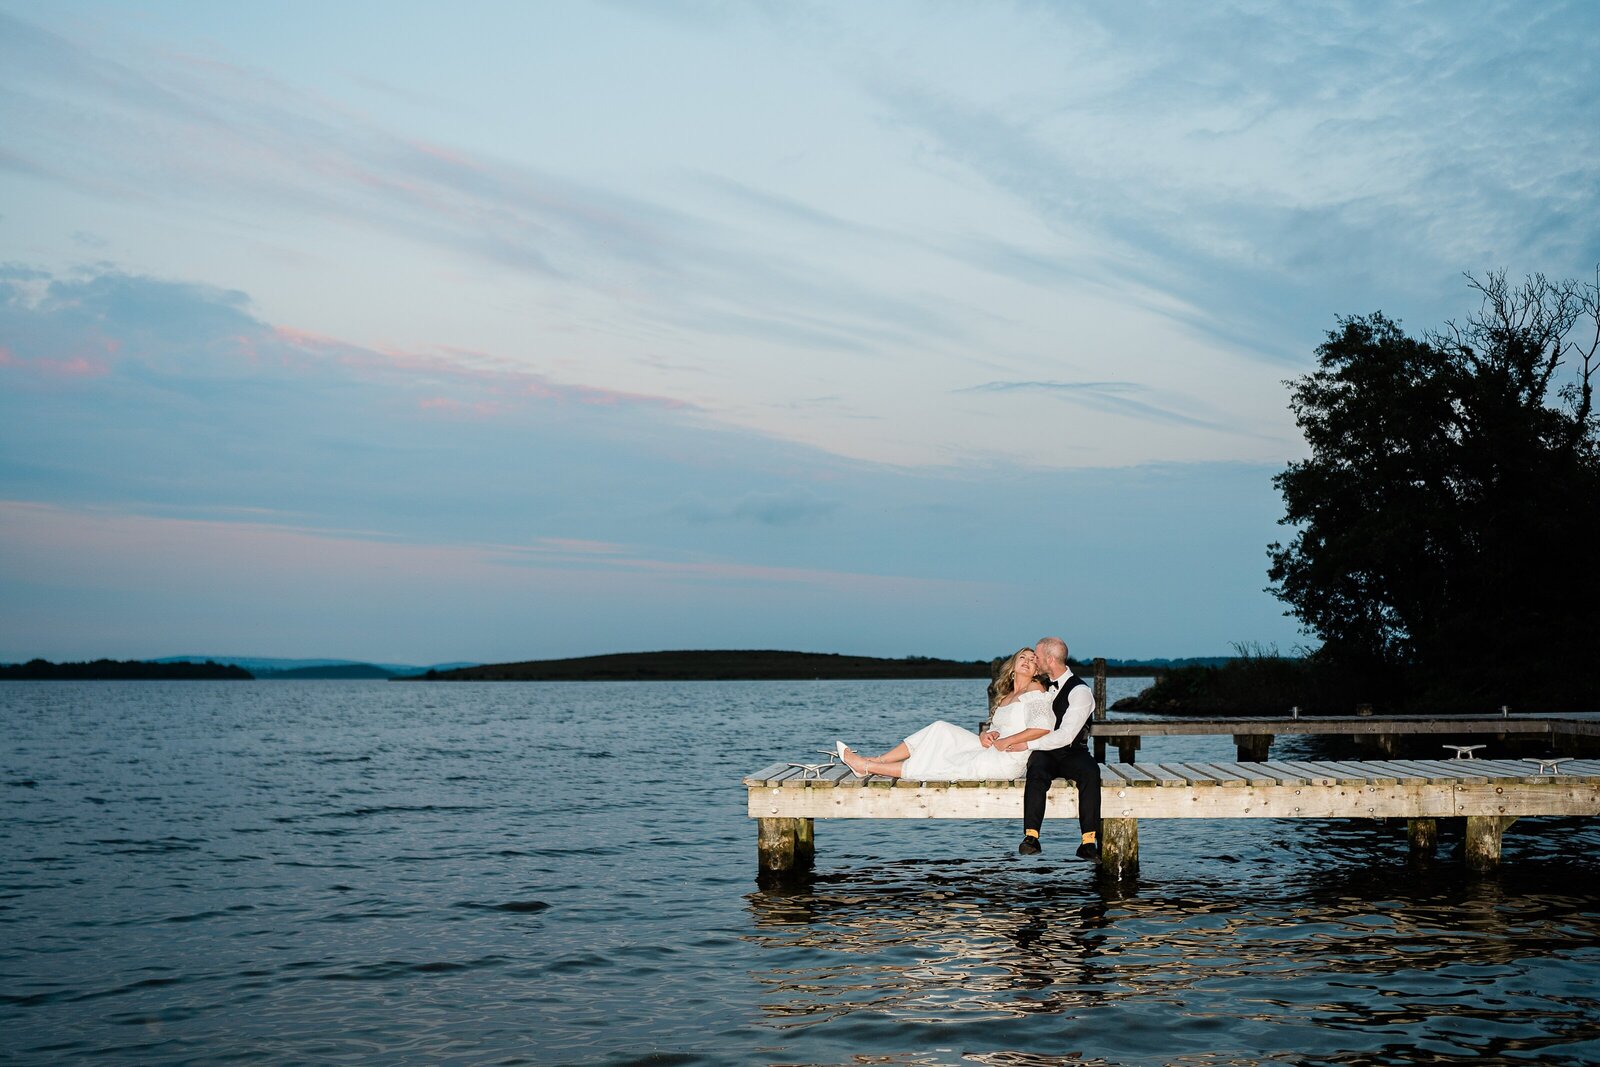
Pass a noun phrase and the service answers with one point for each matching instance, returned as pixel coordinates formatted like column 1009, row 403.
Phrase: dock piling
column 1253, row 748
column 1119, row 847
column 1483, row 841
column 1423, row 835
column 1099, row 688
column 785, row 847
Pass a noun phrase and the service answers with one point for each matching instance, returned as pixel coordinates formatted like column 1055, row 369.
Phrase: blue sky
column 496, row 331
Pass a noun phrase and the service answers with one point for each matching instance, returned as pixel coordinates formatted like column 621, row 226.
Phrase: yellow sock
column 1088, row 838
column 1030, row 833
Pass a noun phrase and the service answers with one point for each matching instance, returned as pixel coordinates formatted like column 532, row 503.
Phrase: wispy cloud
column 770, row 508
column 1253, row 159
column 80, row 327
column 1125, row 398
column 210, row 134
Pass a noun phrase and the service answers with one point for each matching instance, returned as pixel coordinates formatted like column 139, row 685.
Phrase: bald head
column 1052, row 653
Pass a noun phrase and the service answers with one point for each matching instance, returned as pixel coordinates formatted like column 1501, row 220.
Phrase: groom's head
column 1052, row 653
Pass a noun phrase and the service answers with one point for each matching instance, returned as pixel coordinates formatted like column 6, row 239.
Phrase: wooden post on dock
column 1253, row 747
column 1483, row 840
column 1099, row 688
column 1127, row 745
column 785, row 847
column 1423, row 835
column 1119, row 847
column 1100, row 708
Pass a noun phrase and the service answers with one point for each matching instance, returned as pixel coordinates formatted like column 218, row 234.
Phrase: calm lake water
column 355, row 872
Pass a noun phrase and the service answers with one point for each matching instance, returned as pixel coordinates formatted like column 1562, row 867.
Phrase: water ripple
column 377, row 872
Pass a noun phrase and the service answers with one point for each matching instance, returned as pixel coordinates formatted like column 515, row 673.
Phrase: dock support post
column 1099, row 748
column 1423, row 835
column 1119, row 847
column 805, row 844
column 1253, row 747
column 1483, row 840
column 1126, row 747
column 1382, row 746
column 1100, row 688
column 785, row 847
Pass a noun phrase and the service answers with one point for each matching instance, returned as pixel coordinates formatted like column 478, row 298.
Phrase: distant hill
column 269, row 669
column 706, row 665
column 332, row 670
column 107, row 670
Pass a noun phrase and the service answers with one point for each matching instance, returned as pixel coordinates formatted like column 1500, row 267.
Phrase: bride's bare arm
column 1019, row 739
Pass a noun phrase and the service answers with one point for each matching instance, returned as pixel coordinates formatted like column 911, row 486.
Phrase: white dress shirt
column 1080, row 705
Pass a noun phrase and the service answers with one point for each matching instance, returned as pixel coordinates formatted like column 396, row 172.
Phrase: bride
column 1019, row 711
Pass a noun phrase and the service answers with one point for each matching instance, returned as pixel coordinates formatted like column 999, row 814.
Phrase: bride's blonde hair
column 1004, row 681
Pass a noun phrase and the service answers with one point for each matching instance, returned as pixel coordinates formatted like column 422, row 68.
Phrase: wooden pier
column 1380, row 735
column 1489, row 795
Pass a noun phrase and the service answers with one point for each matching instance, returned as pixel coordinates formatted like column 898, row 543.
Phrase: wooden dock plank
column 1165, row 774
column 1385, row 771
column 1134, row 774
column 771, row 770
column 1355, row 772
column 1248, row 773
column 1505, row 768
column 1442, row 769
column 1277, row 769
column 1210, row 772
column 1314, row 772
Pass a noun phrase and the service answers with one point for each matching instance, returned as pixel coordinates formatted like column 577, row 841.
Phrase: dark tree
column 1448, row 518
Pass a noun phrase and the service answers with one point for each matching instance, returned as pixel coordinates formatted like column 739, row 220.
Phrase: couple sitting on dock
column 1039, row 714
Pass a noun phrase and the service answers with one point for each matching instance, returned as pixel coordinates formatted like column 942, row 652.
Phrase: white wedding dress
column 944, row 752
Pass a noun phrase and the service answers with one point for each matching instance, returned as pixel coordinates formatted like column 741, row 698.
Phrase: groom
column 1063, row 753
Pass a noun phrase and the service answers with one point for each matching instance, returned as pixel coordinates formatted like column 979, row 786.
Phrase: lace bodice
column 1029, row 711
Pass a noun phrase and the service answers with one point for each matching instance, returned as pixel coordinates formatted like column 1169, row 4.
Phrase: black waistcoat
column 1059, row 706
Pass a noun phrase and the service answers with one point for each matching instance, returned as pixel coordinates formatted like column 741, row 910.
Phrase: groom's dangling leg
column 1041, row 771
column 1083, row 769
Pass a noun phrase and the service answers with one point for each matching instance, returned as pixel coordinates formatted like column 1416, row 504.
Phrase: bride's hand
column 988, row 738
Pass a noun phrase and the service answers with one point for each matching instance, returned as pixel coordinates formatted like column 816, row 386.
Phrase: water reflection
column 1399, row 961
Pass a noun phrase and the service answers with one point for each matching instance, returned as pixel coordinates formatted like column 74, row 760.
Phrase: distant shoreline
column 728, row 666
column 106, row 670
column 664, row 666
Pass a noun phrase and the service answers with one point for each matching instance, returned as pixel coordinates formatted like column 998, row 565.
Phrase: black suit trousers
column 1073, row 762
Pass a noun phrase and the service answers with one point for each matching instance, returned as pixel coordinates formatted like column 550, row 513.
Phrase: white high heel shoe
column 841, row 748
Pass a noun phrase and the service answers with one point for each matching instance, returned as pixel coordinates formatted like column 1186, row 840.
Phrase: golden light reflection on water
column 1429, row 966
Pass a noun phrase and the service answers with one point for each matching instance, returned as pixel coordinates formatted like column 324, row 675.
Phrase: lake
column 548, row 873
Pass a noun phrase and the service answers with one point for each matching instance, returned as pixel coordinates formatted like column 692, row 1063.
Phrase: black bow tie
column 1053, row 685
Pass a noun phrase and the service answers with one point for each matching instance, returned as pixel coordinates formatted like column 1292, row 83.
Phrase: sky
column 494, row 331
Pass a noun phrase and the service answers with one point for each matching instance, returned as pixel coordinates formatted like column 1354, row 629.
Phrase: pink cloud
column 501, row 377
column 105, row 546
column 481, row 409
column 445, row 155
column 76, row 366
